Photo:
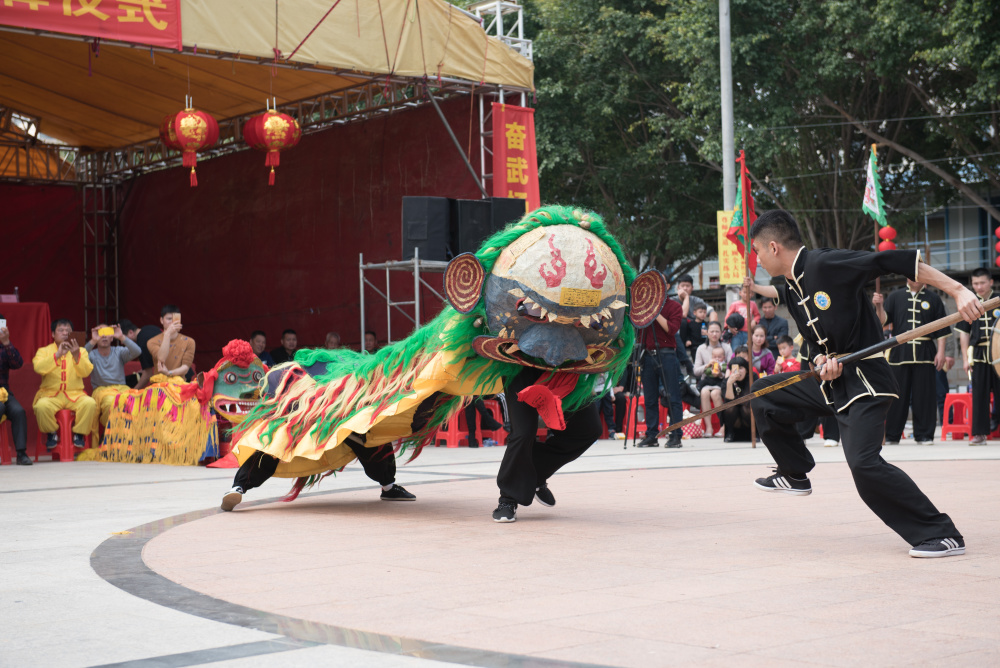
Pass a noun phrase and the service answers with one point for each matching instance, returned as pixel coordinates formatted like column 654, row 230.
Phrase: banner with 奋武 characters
column 732, row 268
column 515, row 163
column 153, row 22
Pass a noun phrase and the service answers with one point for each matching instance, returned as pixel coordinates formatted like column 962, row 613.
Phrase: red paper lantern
column 189, row 131
column 273, row 132
column 998, row 247
column 887, row 233
column 997, row 232
column 998, row 261
column 886, row 245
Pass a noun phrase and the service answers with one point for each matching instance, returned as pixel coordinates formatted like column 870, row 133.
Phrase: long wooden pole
column 880, row 347
column 746, row 261
column 878, row 279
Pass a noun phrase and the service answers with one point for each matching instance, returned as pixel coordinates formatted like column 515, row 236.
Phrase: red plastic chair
column 457, row 429
column 65, row 450
column 6, row 441
column 958, row 425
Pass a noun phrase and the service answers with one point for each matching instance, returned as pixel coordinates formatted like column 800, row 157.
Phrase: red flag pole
column 878, row 279
column 746, row 261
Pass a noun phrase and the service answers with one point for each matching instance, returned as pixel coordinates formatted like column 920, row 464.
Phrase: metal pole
column 458, row 146
column 728, row 148
column 361, row 271
column 416, row 286
column 388, row 310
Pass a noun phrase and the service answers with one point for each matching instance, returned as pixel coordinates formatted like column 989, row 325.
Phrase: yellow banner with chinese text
column 731, row 268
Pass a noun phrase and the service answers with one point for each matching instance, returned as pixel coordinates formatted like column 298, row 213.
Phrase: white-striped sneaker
column 939, row 547
column 779, row 482
column 232, row 498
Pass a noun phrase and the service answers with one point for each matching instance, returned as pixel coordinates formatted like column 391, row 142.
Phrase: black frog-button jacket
column 826, row 297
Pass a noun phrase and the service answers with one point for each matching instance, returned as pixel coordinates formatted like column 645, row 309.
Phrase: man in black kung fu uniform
column 914, row 363
column 984, row 378
column 825, row 294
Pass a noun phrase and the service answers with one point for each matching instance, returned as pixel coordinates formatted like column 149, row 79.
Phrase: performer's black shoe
column 397, row 493
column 473, row 443
column 23, row 459
column 674, row 440
column 505, row 512
column 232, row 498
column 939, row 547
column 51, row 441
column 648, row 442
column 544, row 495
column 779, row 482
column 79, row 440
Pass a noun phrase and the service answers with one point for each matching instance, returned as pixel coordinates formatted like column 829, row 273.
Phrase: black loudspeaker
column 426, row 225
column 507, row 210
column 471, row 224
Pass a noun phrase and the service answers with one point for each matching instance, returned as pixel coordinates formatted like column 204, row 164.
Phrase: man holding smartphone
column 10, row 359
column 172, row 352
column 108, row 378
column 63, row 365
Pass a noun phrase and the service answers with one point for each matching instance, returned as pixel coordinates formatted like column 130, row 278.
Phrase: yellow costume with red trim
column 62, row 388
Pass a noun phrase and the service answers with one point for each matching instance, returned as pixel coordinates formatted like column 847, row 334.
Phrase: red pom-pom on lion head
column 239, row 352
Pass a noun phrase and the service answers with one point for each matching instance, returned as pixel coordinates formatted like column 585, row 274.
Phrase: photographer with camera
column 108, row 377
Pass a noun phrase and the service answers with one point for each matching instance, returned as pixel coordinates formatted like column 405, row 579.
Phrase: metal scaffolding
column 101, row 207
column 416, row 265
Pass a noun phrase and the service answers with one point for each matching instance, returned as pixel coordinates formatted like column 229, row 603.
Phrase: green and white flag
column 872, row 202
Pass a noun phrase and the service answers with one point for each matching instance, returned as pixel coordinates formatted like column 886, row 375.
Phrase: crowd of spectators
column 164, row 354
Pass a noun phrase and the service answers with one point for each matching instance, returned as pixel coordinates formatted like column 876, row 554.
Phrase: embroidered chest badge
column 925, row 305
column 822, row 300
column 996, row 313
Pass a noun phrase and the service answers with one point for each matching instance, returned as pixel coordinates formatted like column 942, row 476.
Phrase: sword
column 880, row 347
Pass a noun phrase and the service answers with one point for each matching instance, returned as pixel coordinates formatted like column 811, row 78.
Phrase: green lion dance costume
column 543, row 308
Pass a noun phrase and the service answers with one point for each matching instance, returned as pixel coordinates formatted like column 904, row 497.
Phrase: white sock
column 386, row 488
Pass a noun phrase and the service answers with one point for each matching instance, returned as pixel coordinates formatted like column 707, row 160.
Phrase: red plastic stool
column 6, row 441
column 958, row 425
column 65, row 450
column 633, row 430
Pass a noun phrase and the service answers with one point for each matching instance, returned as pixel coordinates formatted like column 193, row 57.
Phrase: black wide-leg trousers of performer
column 528, row 462
column 984, row 381
column 917, row 386
column 887, row 490
column 379, row 464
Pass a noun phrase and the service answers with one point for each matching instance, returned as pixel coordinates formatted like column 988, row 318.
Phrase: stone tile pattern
column 641, row 567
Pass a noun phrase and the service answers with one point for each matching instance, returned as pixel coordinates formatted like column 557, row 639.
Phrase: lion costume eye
column 257, row 375
column 230, row 377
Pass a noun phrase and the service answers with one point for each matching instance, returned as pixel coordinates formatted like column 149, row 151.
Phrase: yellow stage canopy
column 112, row 94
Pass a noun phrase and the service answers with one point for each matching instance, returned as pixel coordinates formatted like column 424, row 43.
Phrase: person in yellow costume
column 63, row 365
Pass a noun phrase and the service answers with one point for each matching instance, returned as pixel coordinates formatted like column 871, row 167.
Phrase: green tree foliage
column 629, row 119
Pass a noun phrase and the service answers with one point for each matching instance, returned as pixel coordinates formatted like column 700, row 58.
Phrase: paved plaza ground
column 650, row 558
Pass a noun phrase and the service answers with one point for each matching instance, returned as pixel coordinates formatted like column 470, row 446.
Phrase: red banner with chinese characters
column 154, row 22
column 515, row 164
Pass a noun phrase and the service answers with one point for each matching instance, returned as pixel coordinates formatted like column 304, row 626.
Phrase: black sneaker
column 23, row 459
column 232, row 498
column 779, row 482
column 397, row 493
column 544, row 495
column 674, row 440
column 79, row 440
column 939, row 547
column 51, row 441
column 648, row 442
column 505, row 512
column 491, row 424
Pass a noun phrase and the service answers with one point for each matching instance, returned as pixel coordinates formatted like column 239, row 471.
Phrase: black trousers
column 607, row 408
column 984, row 382
column 884, row 488
column 917, row 386
column 18, row 421
column 528, row 462
column 379, row 464
column 653, row 378
column 831, row 428
column 621, row 408
column 737, row 423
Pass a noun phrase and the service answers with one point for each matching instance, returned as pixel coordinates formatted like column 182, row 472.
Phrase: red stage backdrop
column 41, row 236
column 156, row 22
column 236, row 255
column 515, row 163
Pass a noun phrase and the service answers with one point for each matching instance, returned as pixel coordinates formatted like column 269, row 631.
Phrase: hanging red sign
column 154, row 22
column 515, row 163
